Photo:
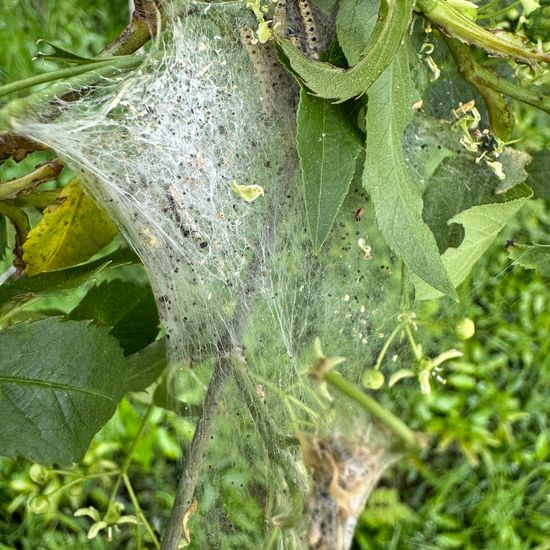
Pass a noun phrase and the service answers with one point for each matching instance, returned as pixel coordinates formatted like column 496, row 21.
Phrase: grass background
column 485, row 481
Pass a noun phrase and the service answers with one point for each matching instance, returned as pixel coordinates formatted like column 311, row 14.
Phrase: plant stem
column 81, row 479
column 399, row 428
column 45, row 172
column 189, row 478
column 483, row 77
column 143, row 25
column 457, row 25
column 417, row 353
column 223, row 369
column 496, row 14
column 128, row 459
column 386, row 345
column 93, row 72
column 56, row 75
column 138, row 510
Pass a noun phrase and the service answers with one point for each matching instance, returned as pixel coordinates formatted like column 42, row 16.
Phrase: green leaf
column 72, row 230
column 26, row 288
column 396, row 197
column 332, row 82
column 60, row 381
column 355, row 23
column 481, row 226
column 128, row 308
column 539, row 174
column 328, row 147
column 459, row 183
column 534, row 256
column 61, row 54
column 146, row 365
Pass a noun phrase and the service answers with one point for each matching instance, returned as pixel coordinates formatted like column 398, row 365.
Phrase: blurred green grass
column 23, row 22
column 488, row 488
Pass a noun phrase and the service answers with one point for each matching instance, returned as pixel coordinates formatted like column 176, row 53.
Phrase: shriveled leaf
column 355, row 23
column 60, row 381
column 481, row 226
column 328, row 147
column 332, row 82
column 72, row 230
column 531, row 256
column 45, row 284
column 129, row 309
column 539, row 174
column 396, row 197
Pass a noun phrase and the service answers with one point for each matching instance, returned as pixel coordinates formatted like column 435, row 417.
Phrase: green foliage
column 535, row 256
column 396, row 197
column 16, row 292
column 331, row 82
column 539, row 174
column 484, row 484
column 439, row 205
column 23, row 23
column 328, row 147
column 129, row 309
column 50, row 386
column 355, row 22
column 537, row 25
column 481, row 225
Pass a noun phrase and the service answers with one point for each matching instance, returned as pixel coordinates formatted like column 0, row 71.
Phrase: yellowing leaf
column 249, row 193
column 73, row 229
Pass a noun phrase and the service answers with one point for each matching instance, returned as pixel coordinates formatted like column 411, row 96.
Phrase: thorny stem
column 138, row 510
column 398, row 427
column 45, row 172
column 483, row 77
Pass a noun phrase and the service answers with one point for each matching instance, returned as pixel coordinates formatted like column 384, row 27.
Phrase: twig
column 45, row 172
column 142, row 27
column 188, row 481
column 478, row 75
column 223, row 369
column 140, row 30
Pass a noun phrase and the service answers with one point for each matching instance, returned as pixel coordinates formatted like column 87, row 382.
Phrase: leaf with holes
column 72, row 230
column 60, row 381
column 328, row 147
column 481, row 226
